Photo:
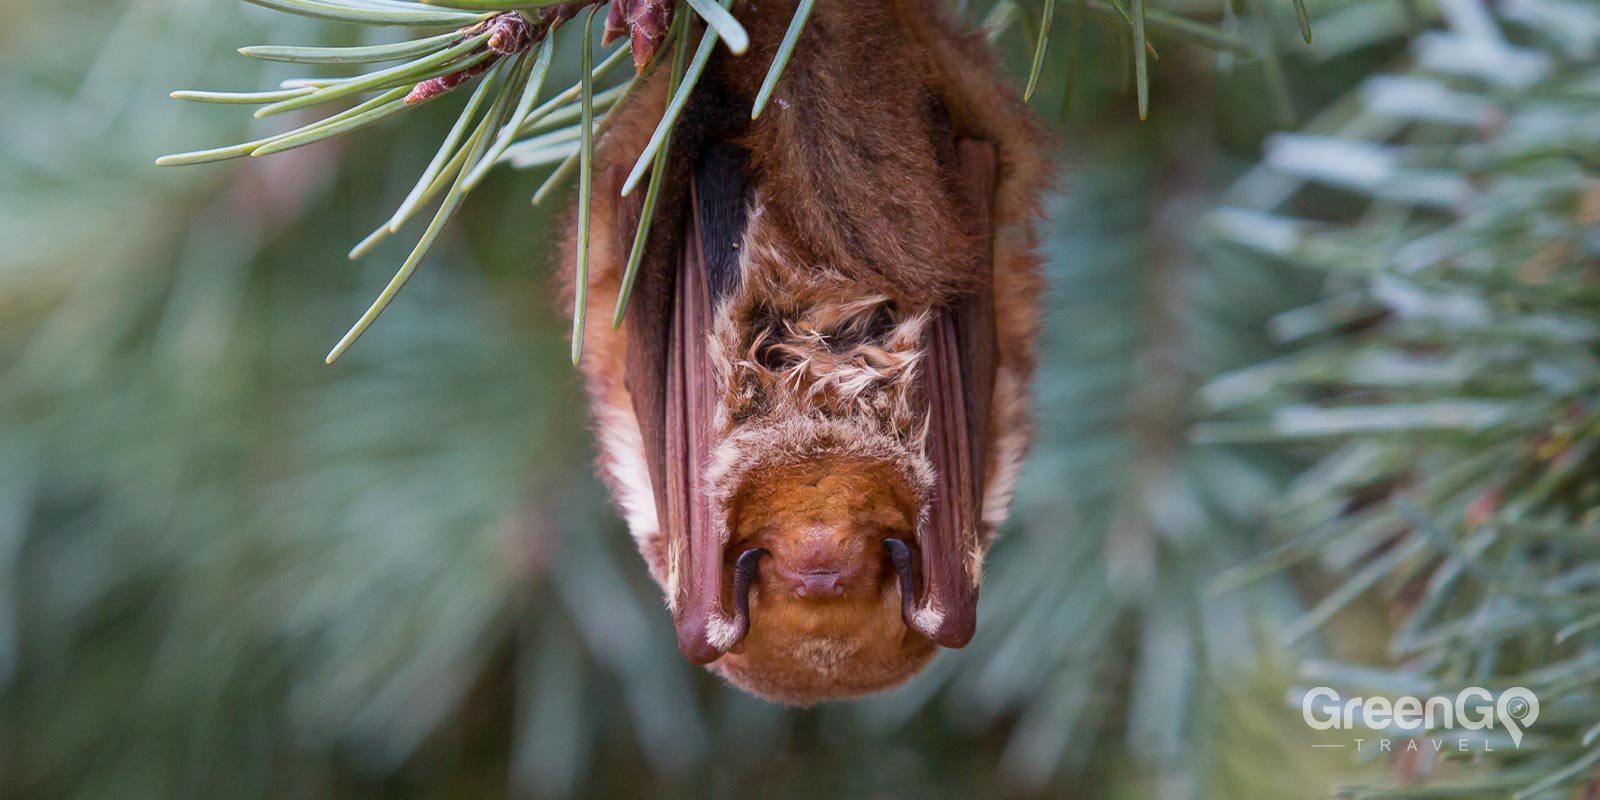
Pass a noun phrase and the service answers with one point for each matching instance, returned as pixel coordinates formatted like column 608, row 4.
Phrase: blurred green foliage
column 229, row 571
column 1447, row 377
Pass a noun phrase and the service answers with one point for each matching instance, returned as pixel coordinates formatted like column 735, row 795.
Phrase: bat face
column 815, row 410
column 825, row 611
column 823, row 522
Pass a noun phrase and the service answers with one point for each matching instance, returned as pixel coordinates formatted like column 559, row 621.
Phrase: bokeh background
column 227, row 570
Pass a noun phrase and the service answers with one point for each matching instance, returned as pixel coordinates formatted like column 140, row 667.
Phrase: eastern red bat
column 815, row 411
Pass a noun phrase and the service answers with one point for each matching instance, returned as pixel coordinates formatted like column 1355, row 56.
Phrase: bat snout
column 816, row 583
column 821, row 562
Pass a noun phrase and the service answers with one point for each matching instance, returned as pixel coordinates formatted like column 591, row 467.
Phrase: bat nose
column 818, row 583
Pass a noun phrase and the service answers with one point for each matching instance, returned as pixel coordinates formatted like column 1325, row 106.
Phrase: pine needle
column 780, row 61
column 1304, row 18
column 477, row 144
column 680, row 99
column 1141, row 62
column 1045, row 24
column 652, row 195
column 585, row 190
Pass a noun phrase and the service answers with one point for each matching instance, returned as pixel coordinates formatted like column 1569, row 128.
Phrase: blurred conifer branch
column 1451, row 376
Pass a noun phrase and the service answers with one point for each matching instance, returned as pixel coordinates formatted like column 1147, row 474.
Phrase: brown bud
column 648, row 21
column 510, row 33
column 433, row 87
column 616, row 22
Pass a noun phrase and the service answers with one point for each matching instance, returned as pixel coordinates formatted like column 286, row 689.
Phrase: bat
column 815, row 411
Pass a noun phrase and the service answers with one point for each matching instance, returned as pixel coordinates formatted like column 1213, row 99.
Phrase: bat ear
column 947, row 621
column 705, row 632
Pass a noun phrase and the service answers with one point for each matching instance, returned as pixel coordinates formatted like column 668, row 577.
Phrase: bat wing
column 670, row 377
column 959, row 377
column 692, row 260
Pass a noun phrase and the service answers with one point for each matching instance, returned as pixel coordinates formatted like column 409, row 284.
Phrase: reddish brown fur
column 851, row 141
column 824, row 516
column 854, row 235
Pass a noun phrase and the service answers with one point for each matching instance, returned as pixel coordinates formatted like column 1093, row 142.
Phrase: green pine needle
column 476, row 145
column 564, row 170
column 652, row 195
column 419, row 194
column 448, row 60
column 1141, row 62
column 508, row 134
column 585, row 190
column 680, row 99
column 392, row 12
column 1045, row 24
column 728, row 28
column 780, row 61
column 350, row 55
column 1304, row 19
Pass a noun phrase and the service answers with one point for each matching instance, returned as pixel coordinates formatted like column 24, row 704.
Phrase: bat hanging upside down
column 814, row 413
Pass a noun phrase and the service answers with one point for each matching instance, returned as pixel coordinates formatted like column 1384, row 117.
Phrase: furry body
column 852, row 234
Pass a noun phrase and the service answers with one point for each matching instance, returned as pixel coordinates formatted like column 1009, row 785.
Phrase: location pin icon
column 1517, row 708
